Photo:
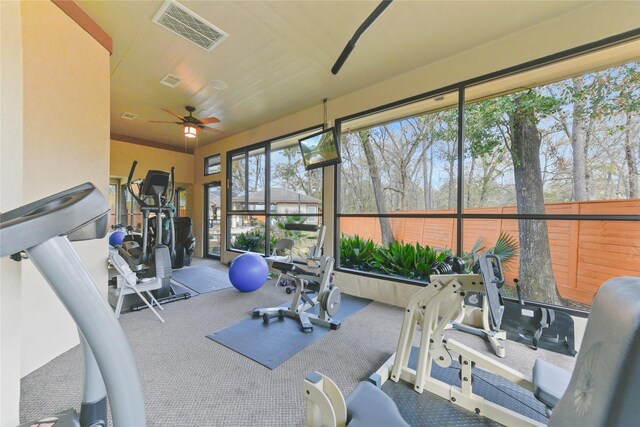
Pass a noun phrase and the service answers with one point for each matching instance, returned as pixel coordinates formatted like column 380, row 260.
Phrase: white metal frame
column 423, row 311
column 282, row 244
column 127, row 283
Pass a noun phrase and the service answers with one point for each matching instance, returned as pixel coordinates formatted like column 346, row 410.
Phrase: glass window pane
column 256, row 179
column 113, row 204
column 575, row 140
column 559, row 262
column 361, row 238
column 293, row 189
column 238, row 182
column 405, row 165
column 212, row 165
column 303, row 240
column 246, row 233
column 214, row 210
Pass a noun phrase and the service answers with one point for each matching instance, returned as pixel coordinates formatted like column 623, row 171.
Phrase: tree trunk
column 425, row 178
column 578, row 144
column 536, row 271
column 630, row 157
column 469, row 181
column 452, row 177
column 385, row 226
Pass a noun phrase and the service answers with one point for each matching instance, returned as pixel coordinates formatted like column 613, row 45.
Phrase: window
column 292, row 195
column 212, row 164
column 550, row 173
column 113, row 203
column 398, row 187
column 180, row 201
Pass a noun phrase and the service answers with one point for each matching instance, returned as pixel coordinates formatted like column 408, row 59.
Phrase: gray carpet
column 189, row 380
column 202, row 279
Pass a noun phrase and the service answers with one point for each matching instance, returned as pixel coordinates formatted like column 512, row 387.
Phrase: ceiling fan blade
column 172, row 113
column 361, row 29
column 161, row 121
column 212, row 130
column 209, row 120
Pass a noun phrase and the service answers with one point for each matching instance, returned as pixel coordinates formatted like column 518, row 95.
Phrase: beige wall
column 66, row 143
column 123, row 154
column 11, row 147
column 590, row 23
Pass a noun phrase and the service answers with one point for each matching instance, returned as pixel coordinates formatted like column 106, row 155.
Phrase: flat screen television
column 320, row 149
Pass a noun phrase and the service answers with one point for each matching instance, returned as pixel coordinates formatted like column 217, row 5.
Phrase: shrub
column 252, row 241
column 357, row 253
column 406, row 260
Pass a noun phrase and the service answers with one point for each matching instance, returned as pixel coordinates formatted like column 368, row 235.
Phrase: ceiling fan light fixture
column 190, row 131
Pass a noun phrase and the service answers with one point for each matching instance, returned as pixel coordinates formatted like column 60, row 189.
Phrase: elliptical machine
column 151, row 257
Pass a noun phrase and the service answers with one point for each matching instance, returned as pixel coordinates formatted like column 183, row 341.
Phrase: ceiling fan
column 191, row 125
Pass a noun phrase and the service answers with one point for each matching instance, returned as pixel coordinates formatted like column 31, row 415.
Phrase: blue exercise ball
column 116, row 238
column 248, row 272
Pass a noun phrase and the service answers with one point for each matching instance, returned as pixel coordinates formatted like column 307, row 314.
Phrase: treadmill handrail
column 79, row 212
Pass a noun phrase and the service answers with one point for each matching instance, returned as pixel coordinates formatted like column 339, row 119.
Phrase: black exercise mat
column 490, row 386
column 428, row 409
column 272, row 344
column 179, row 289
column 521, row 328
column 202, row 279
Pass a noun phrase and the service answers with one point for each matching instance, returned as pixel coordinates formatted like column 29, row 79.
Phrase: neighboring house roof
column 278, row 195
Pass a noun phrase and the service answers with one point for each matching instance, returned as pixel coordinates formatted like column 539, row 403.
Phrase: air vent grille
column 170, row 80
column 187, row 24
column 129, row 116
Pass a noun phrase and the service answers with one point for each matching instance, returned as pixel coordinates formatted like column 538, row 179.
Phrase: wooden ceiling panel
column 278, row 55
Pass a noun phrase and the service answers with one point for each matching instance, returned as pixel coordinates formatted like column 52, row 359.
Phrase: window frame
column 207, row 166
column 460, row 215
column 266, row 211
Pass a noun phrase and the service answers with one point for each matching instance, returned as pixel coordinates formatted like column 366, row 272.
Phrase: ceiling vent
column 170, row 80
column 129, row 116
column 180, row 20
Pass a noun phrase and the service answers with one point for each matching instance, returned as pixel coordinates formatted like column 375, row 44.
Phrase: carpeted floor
column 190, row 380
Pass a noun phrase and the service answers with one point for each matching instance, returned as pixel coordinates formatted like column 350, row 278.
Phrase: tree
column 536, row 270
column 579, row 135
column 385, row 226
column 511, row 121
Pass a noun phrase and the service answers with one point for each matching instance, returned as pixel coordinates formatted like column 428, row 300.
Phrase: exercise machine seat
column 368, row 406
column 549, row 382
column 605, row 384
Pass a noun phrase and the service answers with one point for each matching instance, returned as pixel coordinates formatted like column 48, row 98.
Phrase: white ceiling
column 277, row 58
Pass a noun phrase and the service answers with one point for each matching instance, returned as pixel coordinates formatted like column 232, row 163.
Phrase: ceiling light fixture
column 190, row 131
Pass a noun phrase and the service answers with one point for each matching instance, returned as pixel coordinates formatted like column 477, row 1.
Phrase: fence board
column 584, row 254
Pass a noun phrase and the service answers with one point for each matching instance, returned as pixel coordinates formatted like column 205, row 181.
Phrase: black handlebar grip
column 133, row 169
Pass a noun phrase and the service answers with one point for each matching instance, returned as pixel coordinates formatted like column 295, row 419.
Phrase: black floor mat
column 274, row 343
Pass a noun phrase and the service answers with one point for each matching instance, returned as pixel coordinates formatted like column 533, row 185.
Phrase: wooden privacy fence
column 584, row 254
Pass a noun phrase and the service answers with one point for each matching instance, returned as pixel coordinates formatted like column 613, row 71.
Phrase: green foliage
column 406, row 260
column 357, row 253
column 506, row 248
column 252, row 241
